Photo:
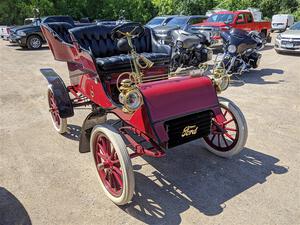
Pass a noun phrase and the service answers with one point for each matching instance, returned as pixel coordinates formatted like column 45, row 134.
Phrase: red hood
column 178, row 97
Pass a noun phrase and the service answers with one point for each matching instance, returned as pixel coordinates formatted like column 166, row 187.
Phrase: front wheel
column 113, row 164
column 229, row 138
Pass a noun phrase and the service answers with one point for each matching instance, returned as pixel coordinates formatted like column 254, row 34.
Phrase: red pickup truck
column 225, row 20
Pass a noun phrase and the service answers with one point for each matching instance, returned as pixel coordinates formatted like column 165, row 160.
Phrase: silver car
column 289, row 41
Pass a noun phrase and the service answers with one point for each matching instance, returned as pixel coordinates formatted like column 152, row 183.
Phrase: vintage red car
column 122, row 70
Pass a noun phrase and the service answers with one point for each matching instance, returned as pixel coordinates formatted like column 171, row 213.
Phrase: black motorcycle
column 188, row 50
column 240, row 51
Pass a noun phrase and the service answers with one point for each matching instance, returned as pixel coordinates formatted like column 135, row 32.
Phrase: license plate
column 289, row 45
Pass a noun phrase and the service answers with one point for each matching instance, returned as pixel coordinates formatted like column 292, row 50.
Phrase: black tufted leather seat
column 96, row 39
column 62, row 30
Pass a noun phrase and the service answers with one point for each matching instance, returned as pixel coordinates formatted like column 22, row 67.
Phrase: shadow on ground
column 191, row 177
column 12, row 212
column 36, row 50
column 257, row 77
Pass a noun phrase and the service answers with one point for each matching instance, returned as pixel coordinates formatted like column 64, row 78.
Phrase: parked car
column 226, row 20
column 159, row 21
column 289, row 41
column 30, row 36
column 163, row 33
column 281, row 22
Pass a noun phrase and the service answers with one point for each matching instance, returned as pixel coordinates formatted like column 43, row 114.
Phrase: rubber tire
column 128, row 176
column 63, row 121
column 29, row 39
column 243, row 130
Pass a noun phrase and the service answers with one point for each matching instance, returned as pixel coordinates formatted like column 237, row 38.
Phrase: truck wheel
column 229, row 138
column 60, row 124
column 34, row 42
column 113, row 164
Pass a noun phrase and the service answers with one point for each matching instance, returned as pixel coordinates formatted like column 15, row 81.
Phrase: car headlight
column 21, row 33
column 278, row 37
column 231, row 49
column 132, row 100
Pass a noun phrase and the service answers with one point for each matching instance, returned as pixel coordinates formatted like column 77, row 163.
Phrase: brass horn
column 142, row 59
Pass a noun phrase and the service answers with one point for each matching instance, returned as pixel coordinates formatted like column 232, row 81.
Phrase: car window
column 156, row 21
column 296, row 26
column 249, row 18
column 196, row 20
column 178, row 21
column 221, row 18
column 168, row 20
column 241, row 17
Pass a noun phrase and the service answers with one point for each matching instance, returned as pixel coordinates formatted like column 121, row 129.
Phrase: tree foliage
column 14, row 11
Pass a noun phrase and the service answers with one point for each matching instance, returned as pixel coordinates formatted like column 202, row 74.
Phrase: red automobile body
column 247, row 25
column 164, row 100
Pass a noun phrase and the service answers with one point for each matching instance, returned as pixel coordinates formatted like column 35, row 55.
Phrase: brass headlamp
column 130, row 96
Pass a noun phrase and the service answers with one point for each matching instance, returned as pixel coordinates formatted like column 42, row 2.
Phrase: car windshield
column 156, row 21
column 221, row 18
column 178, row 21
column 296, row 26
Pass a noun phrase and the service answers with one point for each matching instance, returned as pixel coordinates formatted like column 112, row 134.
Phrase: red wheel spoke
column 225, row 141
column 116, row 169
column 230, row 129
column 225, row 113
column 219, row 143
column 100, row 155
column 227, row 122
column 213, row 137
column 118, row 178
column 229, row 136
column 112, row 151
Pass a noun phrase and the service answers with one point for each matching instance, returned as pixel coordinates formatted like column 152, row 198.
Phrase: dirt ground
column 45, row 180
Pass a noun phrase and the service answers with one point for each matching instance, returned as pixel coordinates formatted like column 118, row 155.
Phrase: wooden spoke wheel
column 113, row 164
column 228, row 138
column 60, row 124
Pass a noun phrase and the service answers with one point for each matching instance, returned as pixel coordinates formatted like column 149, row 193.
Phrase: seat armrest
column 159, row 48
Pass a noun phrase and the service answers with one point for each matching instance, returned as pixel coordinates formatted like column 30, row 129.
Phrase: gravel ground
column 45, row 180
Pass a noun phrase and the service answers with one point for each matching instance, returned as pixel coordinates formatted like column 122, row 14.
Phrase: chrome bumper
column 284, row 48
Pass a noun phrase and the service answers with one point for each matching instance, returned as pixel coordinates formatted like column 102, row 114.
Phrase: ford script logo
column 189, row 130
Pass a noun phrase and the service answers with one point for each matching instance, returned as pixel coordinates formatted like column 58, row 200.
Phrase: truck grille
column 185, row 129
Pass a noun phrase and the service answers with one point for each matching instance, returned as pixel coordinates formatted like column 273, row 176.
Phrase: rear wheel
column 34, row 42
column 60, row 124
column 113, row 164
column 229, row 138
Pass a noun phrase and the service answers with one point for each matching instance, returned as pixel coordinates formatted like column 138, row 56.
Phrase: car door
column 250, row 24
column 240, row 22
